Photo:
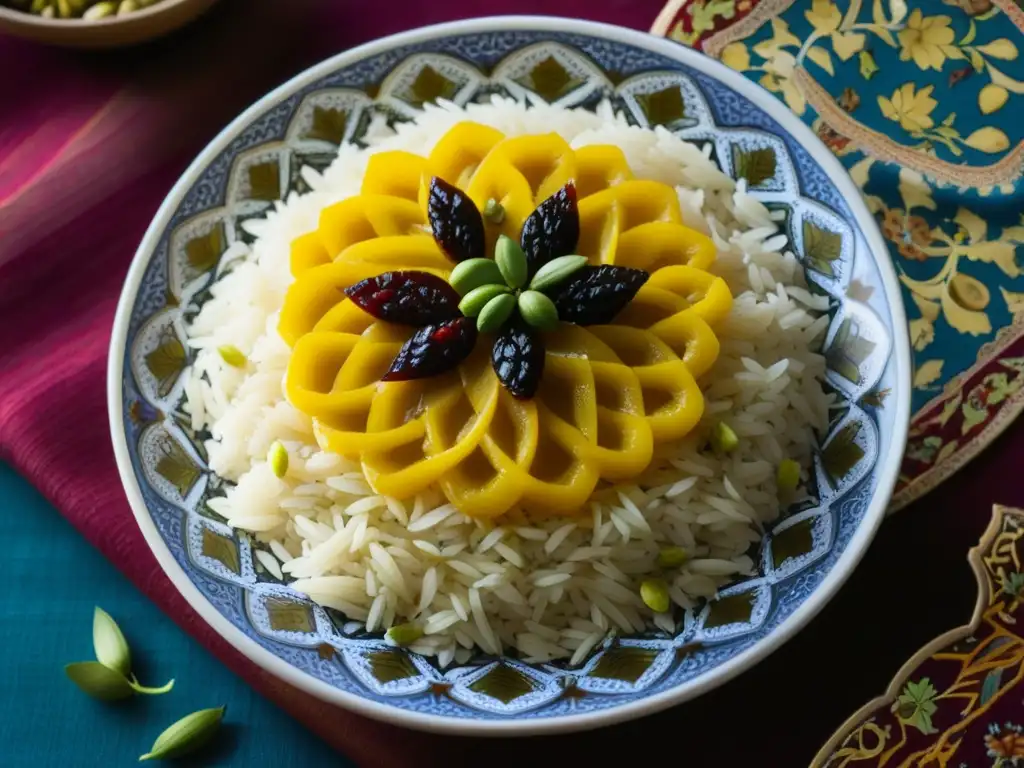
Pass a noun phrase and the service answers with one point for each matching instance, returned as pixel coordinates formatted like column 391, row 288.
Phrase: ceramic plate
column 803, row 559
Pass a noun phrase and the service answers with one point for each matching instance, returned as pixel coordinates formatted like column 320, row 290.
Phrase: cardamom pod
column 187, row 735
column 108, row 641
column 98, row 681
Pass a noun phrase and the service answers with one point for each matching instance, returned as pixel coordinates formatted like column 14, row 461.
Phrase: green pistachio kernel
column 277, row 458
column 404, row 634
column 556, row 271
column 672, row 557
column 494, row 211
column 232, row 355
column 511, row 261
column 723, row 439
column 472, row 273
column 538, row 310
column 788, row 475
column 472, row 303
column 654, row 593
column 495, row 313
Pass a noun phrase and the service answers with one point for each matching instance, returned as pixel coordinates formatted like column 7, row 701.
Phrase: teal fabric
column 945, row 83
column 53, row 578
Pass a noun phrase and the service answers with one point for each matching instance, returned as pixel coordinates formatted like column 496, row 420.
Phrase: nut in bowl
column 96, row 23
column 514, row 385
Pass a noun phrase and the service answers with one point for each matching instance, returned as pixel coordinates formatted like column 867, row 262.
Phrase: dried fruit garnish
column 595, row 295
column 410, row 298
column 518, row 359
column 496, row 295
column 455, row 221
column 552, row 230
column 433, row 349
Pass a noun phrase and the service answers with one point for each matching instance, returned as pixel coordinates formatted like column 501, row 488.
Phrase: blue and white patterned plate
column 256, row 160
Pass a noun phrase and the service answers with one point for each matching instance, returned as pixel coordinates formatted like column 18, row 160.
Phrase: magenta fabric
column 90, row 143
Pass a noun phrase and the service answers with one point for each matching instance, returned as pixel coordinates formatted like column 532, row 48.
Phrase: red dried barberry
column 433, row 349
column 408, row 297
column 595, row 295
column 518, row 359
column 552, row 230
column 455, row 221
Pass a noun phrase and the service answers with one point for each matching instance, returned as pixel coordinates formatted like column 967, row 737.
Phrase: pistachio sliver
column 495, row 313
column 654, row 593
column 473, row 273
column 404, row 634
column 511, row 261
column 672, row 557
column 187, row 735
column 556, row 271
column 538, row 310
column 787, row 477
column 494, row 211
column 723, row 439
column 277, row 458
column 474, row 301
column 232, row 355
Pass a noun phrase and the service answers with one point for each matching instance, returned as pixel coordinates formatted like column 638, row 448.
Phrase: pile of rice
column 546, row 590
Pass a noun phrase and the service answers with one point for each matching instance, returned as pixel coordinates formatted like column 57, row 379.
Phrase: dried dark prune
column 595, row 295
column 408, row 297
column 518, row 359
column 552, row 230
column 433, row 349
column 455, row 221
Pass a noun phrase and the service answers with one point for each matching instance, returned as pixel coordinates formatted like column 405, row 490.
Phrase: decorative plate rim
column 844, row 566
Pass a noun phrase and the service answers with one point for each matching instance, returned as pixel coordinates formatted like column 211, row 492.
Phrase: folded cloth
column 89, row 145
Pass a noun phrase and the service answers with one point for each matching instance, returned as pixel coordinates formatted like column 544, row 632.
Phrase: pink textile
column 89, row 145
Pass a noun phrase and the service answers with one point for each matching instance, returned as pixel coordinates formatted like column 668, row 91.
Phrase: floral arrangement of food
column 510, row 378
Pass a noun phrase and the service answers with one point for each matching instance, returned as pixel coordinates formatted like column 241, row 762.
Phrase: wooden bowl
column 110, row 32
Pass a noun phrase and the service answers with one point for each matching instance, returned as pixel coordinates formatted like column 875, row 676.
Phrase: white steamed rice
column 552, row 589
